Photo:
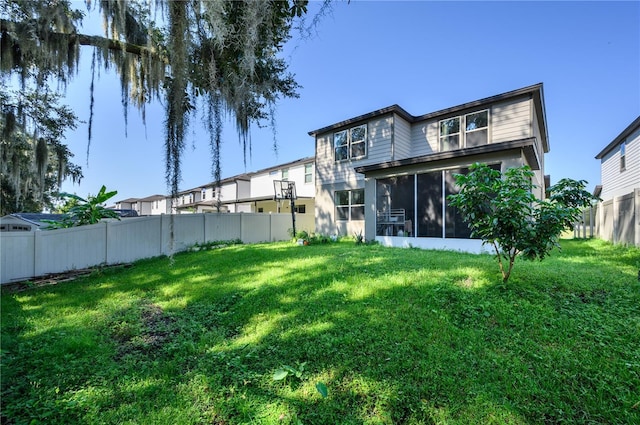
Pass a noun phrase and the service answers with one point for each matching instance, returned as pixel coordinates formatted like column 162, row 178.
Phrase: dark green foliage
column 504, row 212
column 34, row 160
column 223, row 55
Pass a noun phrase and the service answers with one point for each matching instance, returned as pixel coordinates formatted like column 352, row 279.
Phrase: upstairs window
column 308, row 173
column 465, row 131
column 623, row 154
column 450, row 134
column 476, row 129
column 204, row 194
column 285, row 174
column 351, row 143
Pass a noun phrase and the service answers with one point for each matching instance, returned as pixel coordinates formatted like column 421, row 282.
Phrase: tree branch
column 86, row 40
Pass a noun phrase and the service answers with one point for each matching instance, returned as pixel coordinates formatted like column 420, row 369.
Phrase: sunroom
column 406, row 201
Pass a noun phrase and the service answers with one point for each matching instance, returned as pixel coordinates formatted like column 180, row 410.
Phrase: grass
column 398, row 336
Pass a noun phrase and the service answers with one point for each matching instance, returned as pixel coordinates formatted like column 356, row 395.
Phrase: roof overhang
column 256, row 199
column 635, row 125
column 527, row 146
column 534, row 92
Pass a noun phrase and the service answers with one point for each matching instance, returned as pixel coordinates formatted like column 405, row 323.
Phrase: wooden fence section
column 24, row 255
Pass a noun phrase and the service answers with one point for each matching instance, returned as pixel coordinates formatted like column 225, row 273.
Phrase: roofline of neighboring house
column 525, row 144
column 247, row 176
column 152, row 198
column 24, row 219
column 128, row 200
column 240, row 177
column 213, row 202
column 597, row 191
column 625, row 133
column 286, row 164
column 258, row 199
column 535, row 90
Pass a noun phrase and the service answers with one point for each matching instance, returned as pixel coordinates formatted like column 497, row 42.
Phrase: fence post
column 636, row 217
column 106, row 242
column 37, row 254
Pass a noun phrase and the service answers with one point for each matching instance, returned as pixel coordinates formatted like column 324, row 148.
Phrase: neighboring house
column 214, row 197
column 386, row 174
column 153, row 205
column 301, row 172
column 618, row 215
column 253, row 192
column 126, row 204
column 27, row 222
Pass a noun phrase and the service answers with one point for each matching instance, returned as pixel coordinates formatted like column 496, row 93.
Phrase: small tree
column 85, row 211
column 504, row 212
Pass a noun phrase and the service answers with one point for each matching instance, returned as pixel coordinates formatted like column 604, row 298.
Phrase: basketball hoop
column 285, row 189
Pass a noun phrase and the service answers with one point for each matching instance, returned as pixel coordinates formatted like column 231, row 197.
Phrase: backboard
column 284, row 189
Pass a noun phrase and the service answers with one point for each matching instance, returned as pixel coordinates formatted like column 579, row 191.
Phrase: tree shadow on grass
column 398, row 336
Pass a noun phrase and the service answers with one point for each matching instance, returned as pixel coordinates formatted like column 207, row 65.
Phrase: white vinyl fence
column 25, row 255
column 618, row 220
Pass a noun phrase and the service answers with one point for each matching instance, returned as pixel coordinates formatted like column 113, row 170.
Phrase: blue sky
column 424, row 56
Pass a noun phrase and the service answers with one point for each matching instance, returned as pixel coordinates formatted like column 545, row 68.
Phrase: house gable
column 620, row 163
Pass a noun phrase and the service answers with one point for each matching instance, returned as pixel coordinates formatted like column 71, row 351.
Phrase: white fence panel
column 17, row 250
column 133, row 239
column 256, row 227
column 188, row 229
column 28, row 254
column 222, row 227
column 70, row 249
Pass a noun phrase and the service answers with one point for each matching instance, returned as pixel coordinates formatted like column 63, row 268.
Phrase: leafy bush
column 504, row 212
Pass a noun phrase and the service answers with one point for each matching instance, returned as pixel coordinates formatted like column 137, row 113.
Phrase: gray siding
column 325, row 219
column 378, row 150
column 511, row 120
column 401, row 139
column 616, row 182
column 424, row 138
column 332, row 175
column 379, row 133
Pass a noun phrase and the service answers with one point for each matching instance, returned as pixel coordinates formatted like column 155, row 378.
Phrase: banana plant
column 86, row 211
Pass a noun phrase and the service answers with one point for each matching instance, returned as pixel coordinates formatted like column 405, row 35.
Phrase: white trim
column 474, row 246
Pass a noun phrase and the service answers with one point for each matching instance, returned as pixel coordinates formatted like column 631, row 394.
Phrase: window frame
column 308, row 174
column 285, row 174
column 347, row 146
column 623, row 156
column 350, row 206
column 462, row 132
column 448, row 135
column 474, row 130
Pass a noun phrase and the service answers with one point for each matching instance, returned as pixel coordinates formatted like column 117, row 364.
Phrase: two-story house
column 618, row 218
column 214, row 197
column 300, row 171
column 387, row 174
column 253, row 192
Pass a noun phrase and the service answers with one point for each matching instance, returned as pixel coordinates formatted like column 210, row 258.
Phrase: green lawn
column 398, row 336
